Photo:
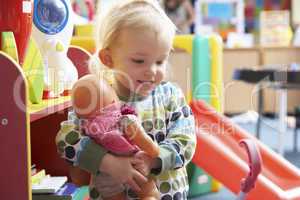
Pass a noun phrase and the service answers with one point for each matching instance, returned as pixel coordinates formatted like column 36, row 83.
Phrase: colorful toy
column 15, row 16
column 80, row 58
column 184, row 42
column 31, row 61
column 9, row 45
column 113, row 125
column 53, row 27
column 218, row 142
column 34, row 71
column 206, row 84
column 255, row 165
column 201, row 69
column 216, row 55
column 83, row 37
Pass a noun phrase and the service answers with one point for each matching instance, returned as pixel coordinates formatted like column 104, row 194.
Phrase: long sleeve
column 179, row 146
column 76, row 148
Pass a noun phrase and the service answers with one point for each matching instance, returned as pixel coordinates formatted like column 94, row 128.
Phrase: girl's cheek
column 160, row 76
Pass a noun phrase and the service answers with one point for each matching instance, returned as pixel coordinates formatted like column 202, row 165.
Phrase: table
column 281, row 80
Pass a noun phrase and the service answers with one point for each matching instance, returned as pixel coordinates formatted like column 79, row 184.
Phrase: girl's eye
column 160, row 62
column 138, row 61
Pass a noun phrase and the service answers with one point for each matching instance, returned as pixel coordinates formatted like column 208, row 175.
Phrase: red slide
column 218, row 153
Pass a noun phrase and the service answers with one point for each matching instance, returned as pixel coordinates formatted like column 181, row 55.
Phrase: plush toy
column 112, row 124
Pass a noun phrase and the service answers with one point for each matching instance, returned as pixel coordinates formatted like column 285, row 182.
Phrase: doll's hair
column 146, row 15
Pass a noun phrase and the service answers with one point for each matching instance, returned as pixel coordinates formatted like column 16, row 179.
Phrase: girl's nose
column 151, row 71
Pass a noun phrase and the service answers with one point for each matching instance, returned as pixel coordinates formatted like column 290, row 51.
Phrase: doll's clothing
column 105, row 129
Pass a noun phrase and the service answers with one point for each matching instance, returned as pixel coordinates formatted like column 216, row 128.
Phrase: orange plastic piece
column 218, row 153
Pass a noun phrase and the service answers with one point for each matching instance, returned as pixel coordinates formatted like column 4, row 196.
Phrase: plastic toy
column 278, row 180
column 106, row 122
column 255, row 165
column 34, row 71
column 206, row 85
column 52, row 30
column 16, row 16
column 15, row 24
column 80, row 58
column 201, row 69
column 216, row 54
column 61, row 73
column 8, row 45
column 184, row 42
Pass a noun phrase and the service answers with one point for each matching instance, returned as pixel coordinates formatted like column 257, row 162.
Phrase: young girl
column 135, row 39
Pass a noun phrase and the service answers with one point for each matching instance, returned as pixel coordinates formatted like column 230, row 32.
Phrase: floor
column 269, row 137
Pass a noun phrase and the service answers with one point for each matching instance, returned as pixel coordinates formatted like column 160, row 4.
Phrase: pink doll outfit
column 105, row 128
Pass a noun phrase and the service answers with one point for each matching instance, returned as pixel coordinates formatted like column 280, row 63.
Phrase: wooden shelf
column 48, row 107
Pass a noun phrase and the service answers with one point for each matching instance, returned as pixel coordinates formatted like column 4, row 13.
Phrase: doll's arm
column 136, row 134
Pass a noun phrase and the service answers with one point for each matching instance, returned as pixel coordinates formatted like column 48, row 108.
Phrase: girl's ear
column 105, row 57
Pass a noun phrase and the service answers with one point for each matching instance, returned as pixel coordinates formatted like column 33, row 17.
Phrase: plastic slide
column 216, row 55
column 219, row 154
column 201, row 70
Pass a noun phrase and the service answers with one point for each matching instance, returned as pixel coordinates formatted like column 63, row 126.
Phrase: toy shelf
column 48, row 107
column 28, row 130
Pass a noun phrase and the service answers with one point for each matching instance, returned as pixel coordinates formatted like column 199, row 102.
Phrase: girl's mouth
column 145, row 82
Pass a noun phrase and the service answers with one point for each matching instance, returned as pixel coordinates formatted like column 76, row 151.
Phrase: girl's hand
column 121, row 168
column 145, row 163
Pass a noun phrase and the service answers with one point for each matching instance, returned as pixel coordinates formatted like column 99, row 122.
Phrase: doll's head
column 134, row 39
column 90, row 95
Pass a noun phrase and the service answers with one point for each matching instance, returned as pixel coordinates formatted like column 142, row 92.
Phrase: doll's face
column 90, row 95
column 106, row 95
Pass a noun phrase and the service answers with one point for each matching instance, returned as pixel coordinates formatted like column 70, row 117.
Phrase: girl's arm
column 76, row 148
column 179, row 146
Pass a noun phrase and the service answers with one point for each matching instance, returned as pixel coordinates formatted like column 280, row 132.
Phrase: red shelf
column 48, row 107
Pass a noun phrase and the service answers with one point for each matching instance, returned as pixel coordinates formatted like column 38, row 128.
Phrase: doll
column 113, row 125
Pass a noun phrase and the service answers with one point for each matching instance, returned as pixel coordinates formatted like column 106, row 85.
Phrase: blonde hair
column 134, row 14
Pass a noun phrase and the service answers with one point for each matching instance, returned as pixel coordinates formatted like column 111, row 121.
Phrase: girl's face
column 139, row 59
